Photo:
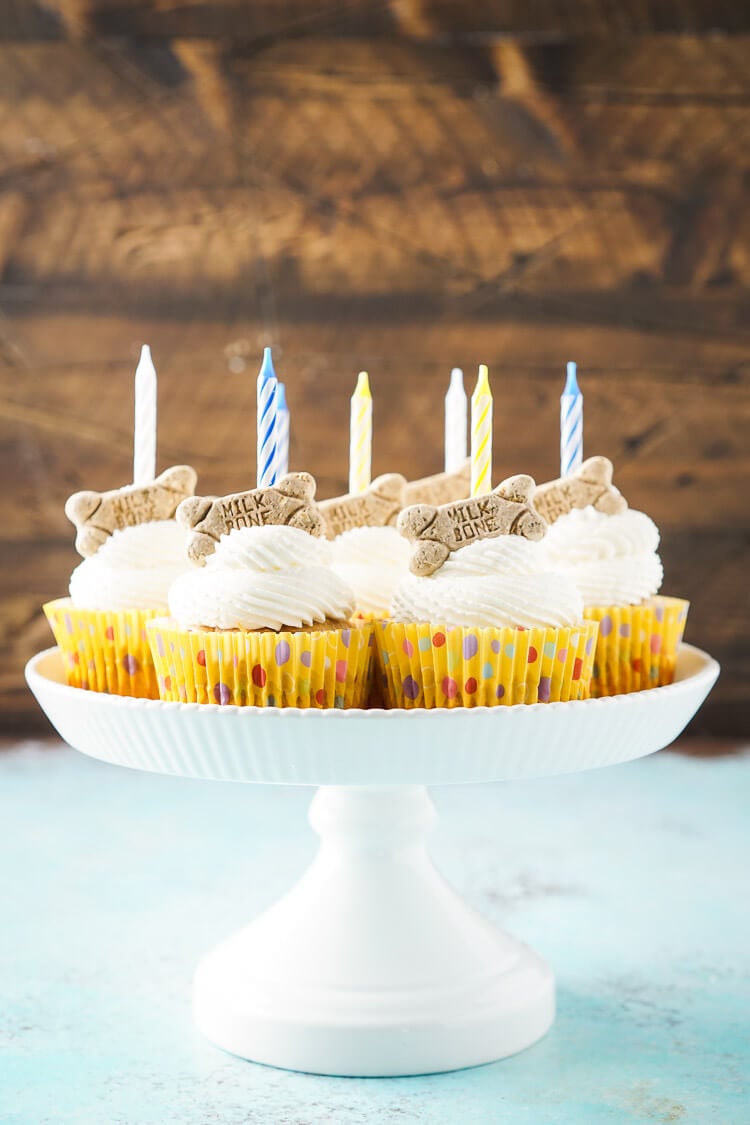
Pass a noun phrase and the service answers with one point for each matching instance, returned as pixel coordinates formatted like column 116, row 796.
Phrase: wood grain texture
column 399, row 187
column 234, row 20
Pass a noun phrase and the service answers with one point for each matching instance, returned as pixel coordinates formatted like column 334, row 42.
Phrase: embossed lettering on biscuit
column 291, row 502
column 379, row 506
column 590, row 484
column 436, row 531
column 97, row 514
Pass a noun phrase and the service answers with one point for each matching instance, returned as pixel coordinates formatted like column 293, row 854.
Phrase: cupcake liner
column 376, row 698
column 105, row 650
column 637, row 645
column 315, row 668
column 428, row 665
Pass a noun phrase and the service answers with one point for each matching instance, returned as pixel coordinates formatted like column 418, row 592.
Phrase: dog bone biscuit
column 442, row 488
column 591, row 484
column 377, row 507
column 507, row 510
column 291, row 501
column 97, row 514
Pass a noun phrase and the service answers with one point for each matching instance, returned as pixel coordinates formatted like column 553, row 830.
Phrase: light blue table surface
column 633, row 882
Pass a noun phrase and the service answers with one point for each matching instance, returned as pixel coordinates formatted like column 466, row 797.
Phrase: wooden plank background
column 399, row 186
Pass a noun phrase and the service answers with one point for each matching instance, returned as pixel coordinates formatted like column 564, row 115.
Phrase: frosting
column 612, row 559
column 506, row 554
column 262, row 578
column 498, row 582
column 133, row 569
column 372, row 560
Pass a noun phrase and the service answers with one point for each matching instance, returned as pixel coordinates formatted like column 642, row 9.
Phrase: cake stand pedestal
column 371, row 964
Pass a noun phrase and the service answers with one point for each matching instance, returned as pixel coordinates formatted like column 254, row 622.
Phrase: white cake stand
column 372, row 964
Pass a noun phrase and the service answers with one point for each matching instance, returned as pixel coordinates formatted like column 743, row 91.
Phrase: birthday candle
column 282, row 432
column 456, row 418
column 360, row 436
column 481, row 435
column 571, row 425
column 144, row 430
column 267, row 410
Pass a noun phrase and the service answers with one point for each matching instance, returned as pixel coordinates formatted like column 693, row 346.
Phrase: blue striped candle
column 571, row 425
column 267, row 412
column 282, row 432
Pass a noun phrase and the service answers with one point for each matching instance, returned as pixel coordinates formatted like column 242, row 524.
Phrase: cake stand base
column 372, row 964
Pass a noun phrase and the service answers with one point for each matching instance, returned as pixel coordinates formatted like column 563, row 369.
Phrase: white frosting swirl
column 612, row 559
column 133, row 569
column 505, row 554
column 262, row 578
column 495, row 582
column 372, row 560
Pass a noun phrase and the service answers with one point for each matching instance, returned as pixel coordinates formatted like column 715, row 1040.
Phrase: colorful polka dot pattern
column 437, row 666
column 327, row 668
column 105, row 651
column 637, row 645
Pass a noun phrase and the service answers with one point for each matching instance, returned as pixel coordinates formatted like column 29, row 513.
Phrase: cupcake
column 491, row 624
column 133, row 551
column 614, row 561
column 373, row 561
column 264, row 621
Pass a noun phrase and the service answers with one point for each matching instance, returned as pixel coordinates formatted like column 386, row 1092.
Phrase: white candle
column 456, row 421
column 144, row 432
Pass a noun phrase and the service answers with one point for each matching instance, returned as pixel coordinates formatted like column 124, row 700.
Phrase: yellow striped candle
column 481, row 435
column 360, row 436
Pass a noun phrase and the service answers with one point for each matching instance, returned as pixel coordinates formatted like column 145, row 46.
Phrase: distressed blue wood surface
column 632, row 881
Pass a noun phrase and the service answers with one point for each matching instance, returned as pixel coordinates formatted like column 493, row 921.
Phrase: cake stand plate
column 372, row 964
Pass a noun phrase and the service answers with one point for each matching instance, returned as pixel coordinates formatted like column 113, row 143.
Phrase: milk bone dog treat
column 378, row 506
column 442, row 488
column 437, row 532
column 290, row 502
column 96, row 515
column 589, row 485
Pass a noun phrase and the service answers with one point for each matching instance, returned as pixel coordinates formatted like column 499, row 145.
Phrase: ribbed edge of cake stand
column 377, row 747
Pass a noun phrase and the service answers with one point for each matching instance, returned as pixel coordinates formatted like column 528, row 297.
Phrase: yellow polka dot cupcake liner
column 438, row 666
column 105, row 650
column 315, row 669
column 637, row 645
column 375, row 696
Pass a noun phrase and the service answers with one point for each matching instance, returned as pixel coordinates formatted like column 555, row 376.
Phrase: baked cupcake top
column 498, row 582
column 266, row 577
column 373, row 561
column 612, row 559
